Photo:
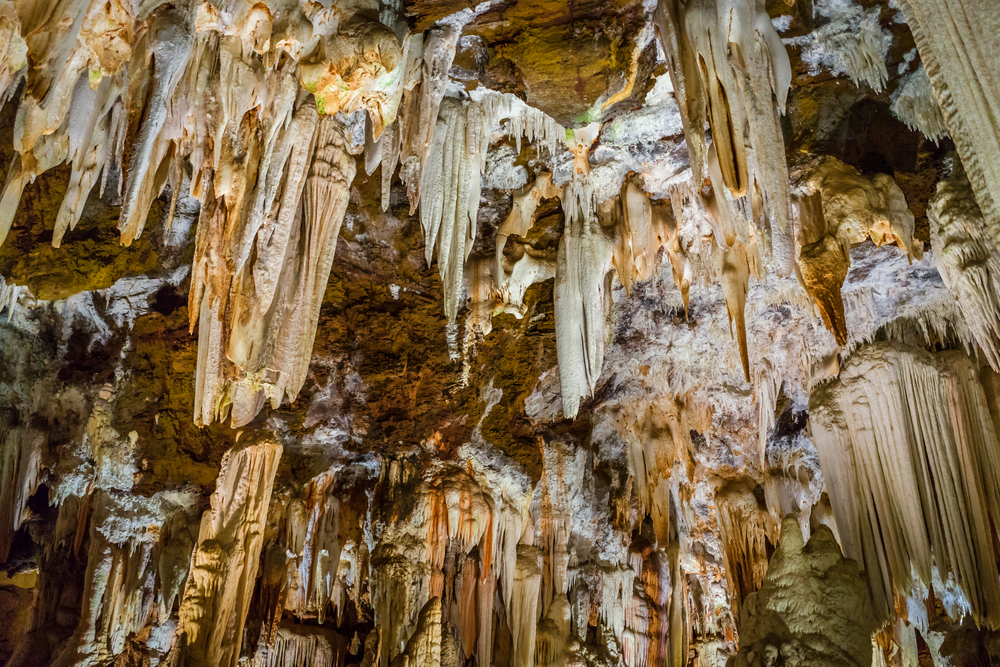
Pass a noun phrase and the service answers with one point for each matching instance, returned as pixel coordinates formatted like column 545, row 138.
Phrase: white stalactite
column 449, row 185
column 915, row 103
column 961, row 62
column 968, row 260
column 582, row 265
column 908, row 449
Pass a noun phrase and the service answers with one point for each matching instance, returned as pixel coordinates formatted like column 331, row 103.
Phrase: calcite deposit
column 398, row 333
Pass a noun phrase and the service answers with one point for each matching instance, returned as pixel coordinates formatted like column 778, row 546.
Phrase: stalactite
column 318, row 557
column 118, row 590
column 169, row 45
column 327, row 192
column 422, row 106
column 518, row 223
column 968, row 260
column 906, row 445
column 960, row 62
column 243, row 146
column 915, row 104
column 224, row 563
column 272, row 592
column 449, row 185
column 90, row 127
column 523, row 608
column 45, row 154
column 736, row 266
column 685, row 76
column 759, row 60
column 583, row 262
column 667, row 221
column 496, row 533
column 415, row 559
column 274, row 303
column 635, row 257
column 20, row 474
column 845, row 208
column 302, row 646
column 647, row 616
column 744, row 528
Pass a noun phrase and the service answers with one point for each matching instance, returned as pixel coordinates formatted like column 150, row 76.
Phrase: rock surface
column 512, row 333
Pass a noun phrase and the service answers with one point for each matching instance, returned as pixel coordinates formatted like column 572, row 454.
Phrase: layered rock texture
column 444, row 334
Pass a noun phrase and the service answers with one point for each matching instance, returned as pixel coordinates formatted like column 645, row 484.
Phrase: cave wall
column 630, row 333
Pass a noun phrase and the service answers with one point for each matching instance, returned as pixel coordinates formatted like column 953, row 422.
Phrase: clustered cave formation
column 436, row 333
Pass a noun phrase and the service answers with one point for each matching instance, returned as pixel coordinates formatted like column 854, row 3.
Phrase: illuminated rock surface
column 419, row 334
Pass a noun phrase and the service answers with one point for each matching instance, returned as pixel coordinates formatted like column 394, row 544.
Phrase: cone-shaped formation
column 813, row 608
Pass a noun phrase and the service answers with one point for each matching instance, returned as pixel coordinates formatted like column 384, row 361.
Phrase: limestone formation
column 812, row 609
column 441, row 334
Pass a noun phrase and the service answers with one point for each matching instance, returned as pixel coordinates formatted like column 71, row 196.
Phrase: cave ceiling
column 417, row 333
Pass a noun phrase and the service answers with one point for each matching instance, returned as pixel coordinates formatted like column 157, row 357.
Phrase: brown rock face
column 564, row 56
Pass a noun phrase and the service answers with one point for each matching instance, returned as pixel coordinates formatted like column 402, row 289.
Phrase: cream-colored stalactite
column 302, row 646
column 743, row 530
column 908, row 449
column 421, row 105
column 273, row 303
column 48, row 152
column 91, row 130
column 840, row 208
column 656, row 434
column 730, row 68
column 65, row 41
column 667, row 220
column 119, row 581
column 327, row 193
column 737, row 255
column 958, row 41
column 915, row 103
column 582, row 265
column 634, row 256
column 523, row 614
column 258, row 280
column 520, row 219
column 109, row 90
column 968, row 260
column 13, row 49
column 317, row 549
column 224, row 564
column 389, row 144
column 449, row 185
column 447, row 514
column 168, row 47
column 682, row 66
column 737, row 263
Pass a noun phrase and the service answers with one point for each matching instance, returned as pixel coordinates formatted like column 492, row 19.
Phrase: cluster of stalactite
column 458, row 561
